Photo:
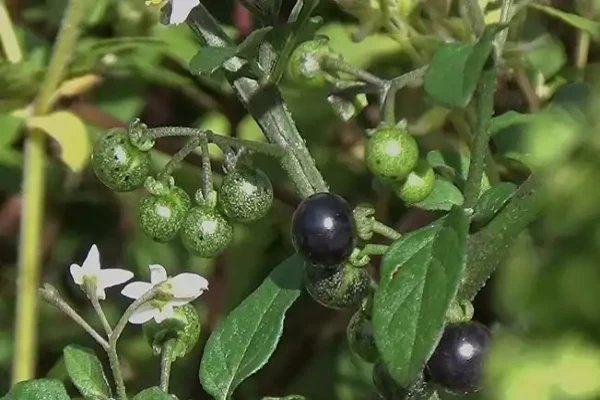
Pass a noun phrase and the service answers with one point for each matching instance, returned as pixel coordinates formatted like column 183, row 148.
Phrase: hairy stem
column 475, row 16
column 178, row 157
column 389, row 95
column 339, row 65
column 207, row 184
column 386, row 231
column 92, row 295
column 113, row 357
column 34, row 182
column 479, row 146
column 223, row 142
column 373, row 250
column 52, row 296
column 488, row 248
column 166, row 361
column 266, row 105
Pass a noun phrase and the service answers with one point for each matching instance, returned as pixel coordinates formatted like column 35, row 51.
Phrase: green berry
column 360, row 337
column 246, row 195
column 183, row 327
column 118, row 164
column 304, row 65
column 391, row 153
column 336, row 287
column 161, row 215
column 418, row 184
column 206, row 232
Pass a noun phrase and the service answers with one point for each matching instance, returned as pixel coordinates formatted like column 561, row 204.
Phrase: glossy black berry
column 360, row 337
column 119, row 164
column 161, row 215
column 246, row 194
column 456, row 363
column 206, row 232
column 323, row 229
column 336, row 287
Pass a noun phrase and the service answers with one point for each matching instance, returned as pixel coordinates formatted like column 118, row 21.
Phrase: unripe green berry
column 161, row 215
column 246, row 195
column 391, row 153
column 336, row 287
column 183, row 327
column 118, row 164
column 360, row 337
column 206, row 232
column 418, row 184
column 304, row 66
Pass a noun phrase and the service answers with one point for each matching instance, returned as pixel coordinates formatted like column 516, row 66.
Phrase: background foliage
column 128, row 65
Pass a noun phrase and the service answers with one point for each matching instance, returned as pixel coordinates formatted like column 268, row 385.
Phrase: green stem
column 34, row 182
column 92, row 295
column 113, row 357
column 389, row 95
column 475, row 16
column 8, row 38
column 178, row 157
column 479, row 146
column 165, row 364
column 386, row 231
column 266, row 105
column 52, row 296
column 488, row 248
column 337, row 64
column 582, row 52
column 373, row 250
column 207, row 184
column 506, row 13
column 223, row 142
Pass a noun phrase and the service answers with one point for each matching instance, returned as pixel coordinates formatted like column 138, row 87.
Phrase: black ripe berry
column 457, row 362
column 323, row 229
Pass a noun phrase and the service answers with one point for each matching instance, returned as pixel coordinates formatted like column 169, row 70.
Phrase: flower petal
column 180, row 9
column 92, row 261
column 166, row 312
column 180, row 302
column 100, row 294
column 188, row 285
column 158, row 274
column 77, row 274
column 143, row 314
column 135, row 290
column 113, row 277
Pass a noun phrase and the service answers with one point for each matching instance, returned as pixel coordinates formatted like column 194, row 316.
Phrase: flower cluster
column 172, row 291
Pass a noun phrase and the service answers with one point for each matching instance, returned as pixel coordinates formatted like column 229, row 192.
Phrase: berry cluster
column 245, row 195
column 393, row 156
column 323, row 233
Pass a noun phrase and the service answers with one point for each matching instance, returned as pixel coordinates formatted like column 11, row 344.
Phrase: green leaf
column 443, row 197
column 420, row 276
column 455, row 69
column 253, row 40
column 153, row 393
column 85, row 370
column 584, row 24
column 493, row 200
column 11, row 126
column 245, row 340
column 290, row 397
column 454, row 166
column 38, row 389
column 208, row 59
column 508, row 119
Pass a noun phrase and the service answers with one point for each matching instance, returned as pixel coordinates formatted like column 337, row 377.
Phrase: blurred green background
column 544, row 302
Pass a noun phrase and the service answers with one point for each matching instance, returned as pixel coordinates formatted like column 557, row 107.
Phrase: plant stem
column 113, row 357
column 339, row 65
column 10, row 44
column 488, row 248
column 582, row 51
column 389, row 95
column 93, row 296
column 178, row 157
column 266, row 105
column 479, row 146
column 166, row 361
column 373, row 250
column 506, row 13
column 224, row 142
column 386, row 231
column 34, row 182
column 207, row 185
column 52, row 296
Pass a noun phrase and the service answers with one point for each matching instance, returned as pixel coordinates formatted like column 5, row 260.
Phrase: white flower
column 91, row 273
column 180, row 289
column 180, row 9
